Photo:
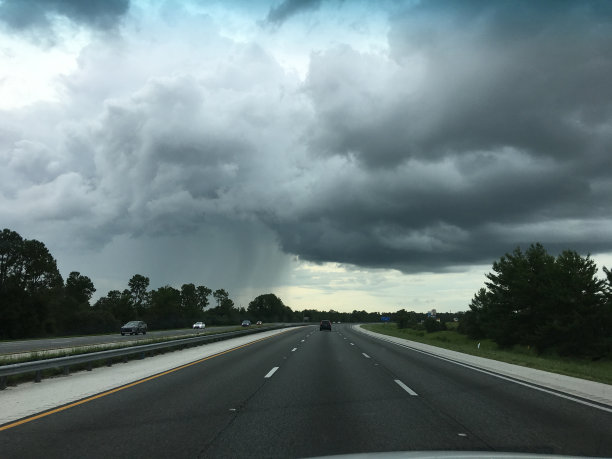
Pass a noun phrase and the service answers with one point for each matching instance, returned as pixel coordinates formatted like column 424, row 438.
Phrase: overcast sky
column 341, row 154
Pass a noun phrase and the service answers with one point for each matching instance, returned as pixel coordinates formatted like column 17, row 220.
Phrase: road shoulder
column 30, row 398
column 599, row 393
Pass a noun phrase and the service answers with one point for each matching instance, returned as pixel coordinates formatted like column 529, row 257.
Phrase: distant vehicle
column 246, row 323
column 325, row 325
column 134, row 327
column 258, row 322
column 199, row 325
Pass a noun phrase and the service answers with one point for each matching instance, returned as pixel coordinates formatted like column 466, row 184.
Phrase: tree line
column 530, row 298
column 35, row 300
column 551, row 304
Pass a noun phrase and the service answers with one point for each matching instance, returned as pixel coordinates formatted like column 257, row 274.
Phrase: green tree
column 405, row 319
column 189, row 301
column 31, row 287
column 10, row 256
column 535, row 299
column 577, row 321
column 39, row 267
column 118, row 304
column 79, row 287
column 138, row 285
column 608, row 285
column 225, row 313
column 220, row 295
column 165, row 310
column 203, row 293
column 520, row 288
column 269, row 308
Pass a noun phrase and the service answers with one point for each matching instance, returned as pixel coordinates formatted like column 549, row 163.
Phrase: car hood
column 443, row 454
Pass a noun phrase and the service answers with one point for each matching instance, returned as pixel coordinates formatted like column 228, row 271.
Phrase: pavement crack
column 236, row 411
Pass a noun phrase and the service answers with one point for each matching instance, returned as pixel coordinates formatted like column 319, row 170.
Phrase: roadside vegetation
column 550, row 304
column 600, row 370
column 35, row 301
column 537, row 310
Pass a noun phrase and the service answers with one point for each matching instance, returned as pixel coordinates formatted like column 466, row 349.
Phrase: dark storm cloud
column 528, row 75
column 288, row 8
column 489, row 126
column 37, row 14
column 483, row 126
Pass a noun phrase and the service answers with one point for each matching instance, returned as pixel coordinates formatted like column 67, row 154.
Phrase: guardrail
column 64, row 363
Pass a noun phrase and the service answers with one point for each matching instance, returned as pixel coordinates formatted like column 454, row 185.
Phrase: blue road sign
column 385, row 318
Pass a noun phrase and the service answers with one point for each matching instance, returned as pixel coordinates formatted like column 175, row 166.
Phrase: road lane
column 307, row 393
column 37, row 345
column 175, row 415
column 329, row 399
column 506, row 415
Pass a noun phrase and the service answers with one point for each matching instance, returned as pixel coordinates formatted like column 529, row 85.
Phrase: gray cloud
column 37, row 14
column 488, row 123
column 482, row 128
column 288, row 8
column 471, row 77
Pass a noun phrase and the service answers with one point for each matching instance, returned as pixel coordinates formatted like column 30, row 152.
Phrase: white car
column 199, row 325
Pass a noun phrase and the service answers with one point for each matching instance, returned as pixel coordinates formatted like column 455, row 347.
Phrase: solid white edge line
column 490, row 373
column 405, row 387
column 365, row 355
column 271, row 372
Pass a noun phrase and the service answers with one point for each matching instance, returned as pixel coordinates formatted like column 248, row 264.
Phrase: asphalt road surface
column 19, row 346
column 312, row 393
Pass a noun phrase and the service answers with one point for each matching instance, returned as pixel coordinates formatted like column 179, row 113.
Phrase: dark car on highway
column 325, row 325
column 134, row 327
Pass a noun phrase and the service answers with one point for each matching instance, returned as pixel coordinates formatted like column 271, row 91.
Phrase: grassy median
column 600, row 370
column 90, row 348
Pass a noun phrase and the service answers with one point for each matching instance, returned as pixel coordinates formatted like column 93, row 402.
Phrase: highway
column 35, row 345
column 307, row 393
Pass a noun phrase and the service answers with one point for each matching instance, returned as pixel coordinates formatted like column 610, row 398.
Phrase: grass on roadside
column 600, row 371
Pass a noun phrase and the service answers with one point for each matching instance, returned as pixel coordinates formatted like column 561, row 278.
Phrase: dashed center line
column 406, row 388
column 302, row 341
column 365, row 355
column 352, row 344
column 294, row 349
column 271, row 372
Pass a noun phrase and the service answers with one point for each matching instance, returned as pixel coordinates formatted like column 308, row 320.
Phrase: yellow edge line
column 140, row 381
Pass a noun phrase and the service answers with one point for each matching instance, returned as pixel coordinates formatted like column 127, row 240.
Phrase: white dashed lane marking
column 406, row 388
column 271, row 372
